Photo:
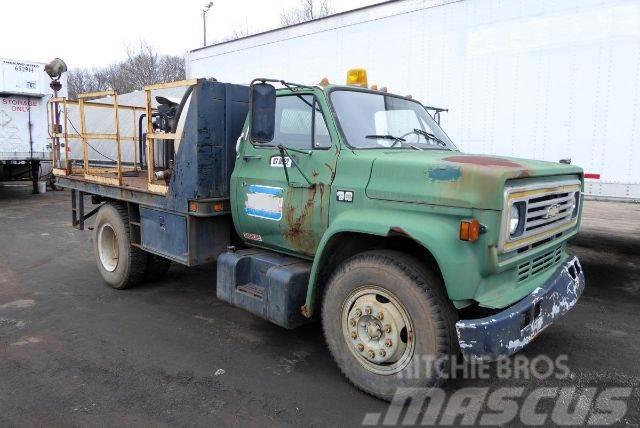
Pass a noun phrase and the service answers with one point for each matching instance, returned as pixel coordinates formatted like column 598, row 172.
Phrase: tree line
column 144, row 66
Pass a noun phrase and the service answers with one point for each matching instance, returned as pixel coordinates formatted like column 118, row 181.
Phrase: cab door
column 271, row 211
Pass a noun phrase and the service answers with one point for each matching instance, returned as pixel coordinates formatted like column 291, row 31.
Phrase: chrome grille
column 538, row 264
column 547, row 208
column 547, row 211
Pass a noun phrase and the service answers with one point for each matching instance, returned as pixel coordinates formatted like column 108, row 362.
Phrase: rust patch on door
column 299, row 224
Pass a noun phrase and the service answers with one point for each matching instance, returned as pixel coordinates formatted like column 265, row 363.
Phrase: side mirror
column 436, row 117
column 263, row 112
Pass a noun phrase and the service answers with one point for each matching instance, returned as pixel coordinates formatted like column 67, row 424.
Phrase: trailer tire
column 157, row 267
column 382, row 314
column 120, row 264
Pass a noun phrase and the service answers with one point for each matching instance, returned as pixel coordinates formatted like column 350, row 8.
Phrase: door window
column 300, row 123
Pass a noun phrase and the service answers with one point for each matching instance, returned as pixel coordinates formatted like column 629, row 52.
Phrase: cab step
column 268, row 284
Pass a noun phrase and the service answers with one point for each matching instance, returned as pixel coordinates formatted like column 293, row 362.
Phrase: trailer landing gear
column 35, row 175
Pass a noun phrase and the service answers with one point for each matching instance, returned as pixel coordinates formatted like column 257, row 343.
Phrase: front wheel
column 387, row 322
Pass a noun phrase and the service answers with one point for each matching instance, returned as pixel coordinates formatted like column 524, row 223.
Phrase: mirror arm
column 284, row 163
column 283, row 150
column 304, row 152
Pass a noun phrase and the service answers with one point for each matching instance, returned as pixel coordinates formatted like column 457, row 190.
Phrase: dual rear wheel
column 121, row 264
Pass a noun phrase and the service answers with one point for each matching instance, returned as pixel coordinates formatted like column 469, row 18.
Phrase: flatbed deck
column 134, row 187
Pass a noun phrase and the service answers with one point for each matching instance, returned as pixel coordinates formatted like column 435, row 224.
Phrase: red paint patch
column 483, row 161
column 592, row 176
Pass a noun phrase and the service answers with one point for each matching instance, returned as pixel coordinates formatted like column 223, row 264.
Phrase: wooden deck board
column 134, row 180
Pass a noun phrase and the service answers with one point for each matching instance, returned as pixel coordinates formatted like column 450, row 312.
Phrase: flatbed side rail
column 61, row 136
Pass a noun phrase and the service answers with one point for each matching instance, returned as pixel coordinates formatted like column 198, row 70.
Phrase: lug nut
column 387, row 328
column 360, row 347
column 388, row 343
column 354, row 334
column 380, row 316
column 382, row 353
column 352, row 321
column 372, row 354
column 367, row 310
column 358, row 313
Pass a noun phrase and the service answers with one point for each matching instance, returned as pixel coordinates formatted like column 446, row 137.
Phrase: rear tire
column 382, row 314
column 121, row 265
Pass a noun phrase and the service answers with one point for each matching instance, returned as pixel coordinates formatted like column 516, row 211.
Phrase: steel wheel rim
column 108, row 247
column 378, row 330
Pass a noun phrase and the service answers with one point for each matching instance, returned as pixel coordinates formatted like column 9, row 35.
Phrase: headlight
column 514, row 219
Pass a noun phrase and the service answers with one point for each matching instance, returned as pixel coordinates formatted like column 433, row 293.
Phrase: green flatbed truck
column 349, row 205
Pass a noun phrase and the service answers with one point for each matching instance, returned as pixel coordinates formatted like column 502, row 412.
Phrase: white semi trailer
column 535, row 79
column 24, row 137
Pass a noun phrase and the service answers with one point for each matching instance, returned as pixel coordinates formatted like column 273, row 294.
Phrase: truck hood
column 452, row 178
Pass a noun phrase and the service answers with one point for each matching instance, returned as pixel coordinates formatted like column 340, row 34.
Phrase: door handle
column 249, row 157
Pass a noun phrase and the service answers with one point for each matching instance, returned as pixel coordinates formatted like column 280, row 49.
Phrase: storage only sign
column 24, row 92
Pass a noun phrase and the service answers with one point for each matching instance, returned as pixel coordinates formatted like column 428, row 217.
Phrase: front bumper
column 508, row 331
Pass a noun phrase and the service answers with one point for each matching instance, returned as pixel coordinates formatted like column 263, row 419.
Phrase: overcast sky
column 92, row 34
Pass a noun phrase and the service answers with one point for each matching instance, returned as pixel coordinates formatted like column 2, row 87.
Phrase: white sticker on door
column 264, row 202
column 276, row 161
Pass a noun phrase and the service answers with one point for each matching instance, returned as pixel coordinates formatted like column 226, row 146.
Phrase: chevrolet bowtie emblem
column 552, row 211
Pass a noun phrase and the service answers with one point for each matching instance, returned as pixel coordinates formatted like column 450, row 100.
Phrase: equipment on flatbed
column 340, row 201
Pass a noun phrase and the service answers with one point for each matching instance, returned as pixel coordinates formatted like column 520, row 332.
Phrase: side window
column 299, row 125
column 321, row 138
column 293, row 121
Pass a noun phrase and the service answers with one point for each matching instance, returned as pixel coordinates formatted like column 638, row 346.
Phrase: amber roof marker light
column 357, row 77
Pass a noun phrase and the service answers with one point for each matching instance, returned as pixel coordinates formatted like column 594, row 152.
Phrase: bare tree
column 239, row 31
column 143, row 66
column 308, row 10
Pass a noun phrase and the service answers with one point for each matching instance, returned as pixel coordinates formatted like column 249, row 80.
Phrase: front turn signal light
column 470, row 230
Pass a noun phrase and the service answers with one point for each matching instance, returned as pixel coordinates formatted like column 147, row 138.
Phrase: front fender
column 436, row 232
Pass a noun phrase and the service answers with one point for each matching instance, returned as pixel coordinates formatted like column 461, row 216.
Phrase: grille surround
column 548, row 211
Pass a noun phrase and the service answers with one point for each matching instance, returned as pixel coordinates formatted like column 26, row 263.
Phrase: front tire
column 385, row 318
column 121, row 265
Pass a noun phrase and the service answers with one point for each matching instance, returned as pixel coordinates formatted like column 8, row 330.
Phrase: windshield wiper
column 387, row 137
column 430, row 136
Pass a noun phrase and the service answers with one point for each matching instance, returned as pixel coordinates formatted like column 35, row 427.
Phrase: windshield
column 374, row 120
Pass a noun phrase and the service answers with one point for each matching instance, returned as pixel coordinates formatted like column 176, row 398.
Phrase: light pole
column 55, row 69
column 204, row 22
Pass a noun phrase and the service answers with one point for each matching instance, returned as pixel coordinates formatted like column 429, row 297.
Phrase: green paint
column 425, row 193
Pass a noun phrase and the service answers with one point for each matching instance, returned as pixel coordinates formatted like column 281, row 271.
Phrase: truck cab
column 351, row 205
column 348, row 171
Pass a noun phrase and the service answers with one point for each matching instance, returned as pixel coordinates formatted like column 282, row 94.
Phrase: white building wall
column 539, row 79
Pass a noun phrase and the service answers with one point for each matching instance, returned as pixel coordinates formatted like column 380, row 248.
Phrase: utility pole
column 204, row 22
